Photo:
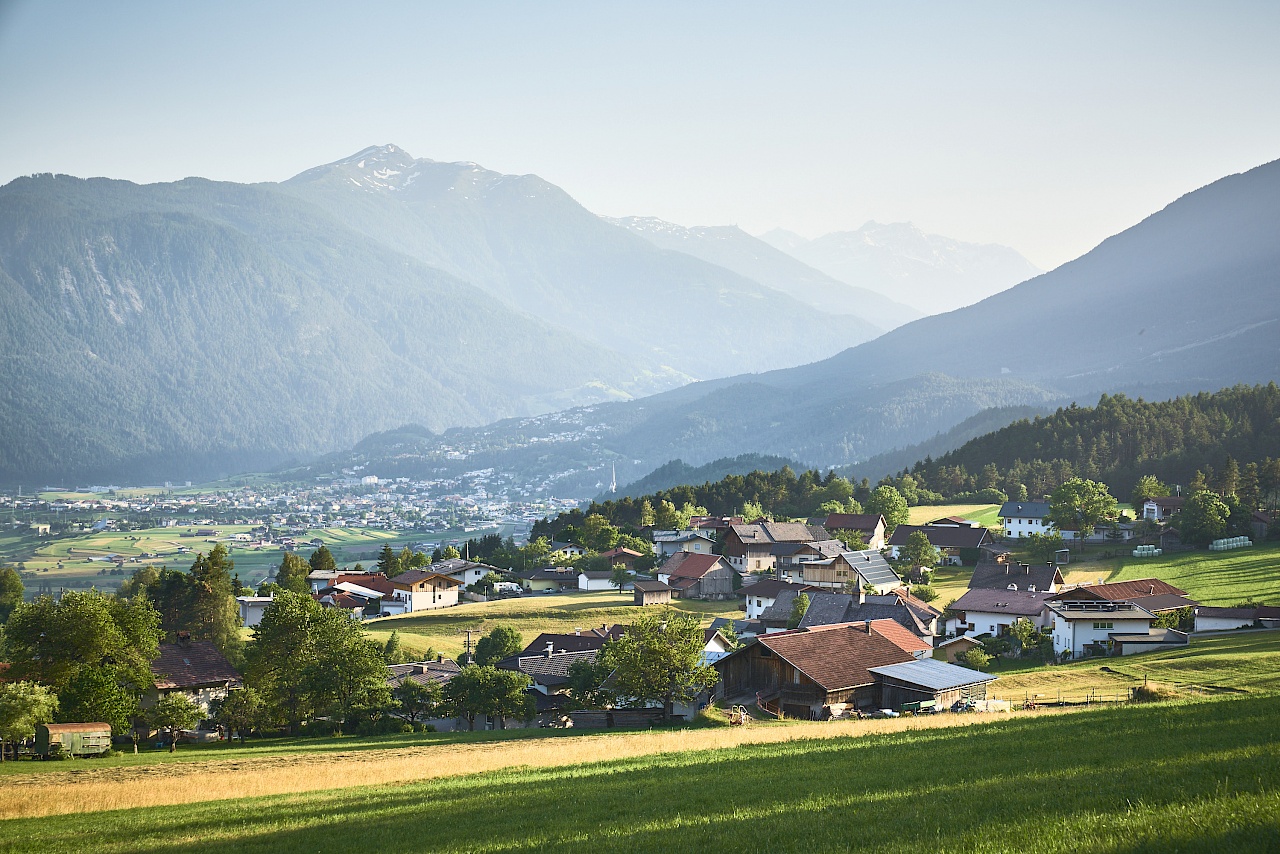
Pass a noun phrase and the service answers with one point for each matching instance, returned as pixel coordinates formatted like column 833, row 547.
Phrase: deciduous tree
column 502, row 641
column 889, row 503
column 173, row 712
column 659, row 659
column 23, row 706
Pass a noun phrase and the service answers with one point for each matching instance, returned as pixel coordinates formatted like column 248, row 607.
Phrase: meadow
column 1165, row 777
column 984, row 514
column 445, row 631
column 80, row 561
column 1238, row 662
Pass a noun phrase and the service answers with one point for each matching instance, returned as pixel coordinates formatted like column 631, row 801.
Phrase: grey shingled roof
column 998, row 576
column 933, row 675
column 1024, row 509
column 826, row 609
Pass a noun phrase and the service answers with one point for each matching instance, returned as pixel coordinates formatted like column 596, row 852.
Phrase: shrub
column 975, row 658
column 1153, row 692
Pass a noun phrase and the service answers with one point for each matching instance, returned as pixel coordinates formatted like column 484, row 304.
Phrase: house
column 356, row 606
column 622, row 557
column 959, row 544
column 1089, row 627
column 1041, row 578
column 954, row 649
column 749, row 547
column 869, row 525
column 761, row 595
column 810, row 673
column 715, row 646
column 599, row 580
column 651, row 592
column 698, row 576
column 464, row 571
column 549, row 579
column 252, row 608
column 715, row 524
column 742, row 629
column 439, row 672
column 570, row 549
column 667, row 543
column 1023, row 518
column 1154, row 595
column 929, row 680
column 194, row 668
column 1160, row 509
column 424, row 589
column 846, row 571
column 826, row 608
column 546, row 661
column 982, row 611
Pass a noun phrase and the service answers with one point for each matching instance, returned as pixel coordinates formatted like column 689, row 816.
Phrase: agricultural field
column 984, row 514
column 444, row 631
column 87, row 560
column 1016, row 783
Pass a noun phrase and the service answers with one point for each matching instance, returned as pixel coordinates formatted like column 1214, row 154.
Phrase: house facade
column 1023, row 518
column 957, row 541
column 847, row 571
column 195, row 669
column 425, row 590
column 548, row 579
column 1081, row 628
column 870, row 525
column 992, row 612
column 749, row 548
column 698, row 541
column 696, row 576
column 1160, row 509
column 760, row 596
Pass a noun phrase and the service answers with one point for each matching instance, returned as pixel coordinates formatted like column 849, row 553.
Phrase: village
column 807, row 629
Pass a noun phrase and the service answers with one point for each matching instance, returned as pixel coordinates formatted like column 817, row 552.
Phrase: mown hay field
column 1166, row 777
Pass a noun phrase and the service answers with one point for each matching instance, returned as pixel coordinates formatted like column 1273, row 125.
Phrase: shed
column 951, row 650
column 928, row 679
column 652, row 593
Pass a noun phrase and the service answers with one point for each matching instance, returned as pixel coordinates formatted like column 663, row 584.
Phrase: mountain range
column 193, row 328
column 1181, row 302
column 933, row 274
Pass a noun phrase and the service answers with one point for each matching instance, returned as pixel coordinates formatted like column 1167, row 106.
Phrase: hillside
column 931, row 273
column 1119, row 441
column 174, row 330
column 732, row 248
column 679, row 473
column 528, row 244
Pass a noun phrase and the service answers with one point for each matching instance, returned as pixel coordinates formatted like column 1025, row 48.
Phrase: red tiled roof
column 689, row 565
column 619, row 552
column 191, row 665
column 1117, row 591
column 894, row 631
column 371, row 581
column 836, row 657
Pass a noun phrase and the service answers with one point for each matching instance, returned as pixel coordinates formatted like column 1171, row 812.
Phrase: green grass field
column 1212, row 578
column 444, row 631
column 1244, row 662
column 1168, row 777
column 983, row 514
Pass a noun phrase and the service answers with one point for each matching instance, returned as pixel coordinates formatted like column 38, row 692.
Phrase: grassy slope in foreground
column 1180, row 777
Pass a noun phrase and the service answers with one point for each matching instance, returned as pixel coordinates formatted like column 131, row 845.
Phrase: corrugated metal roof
column 933, row 674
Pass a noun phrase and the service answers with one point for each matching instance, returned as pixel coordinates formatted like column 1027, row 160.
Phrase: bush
column 975, row 658
column 1153, row 692
column 924, row 592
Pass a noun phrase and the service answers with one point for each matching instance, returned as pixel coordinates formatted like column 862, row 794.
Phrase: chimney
column 577, row 632
column 1152, row 591
column 439, row 658
column 551, row 648
column 868, row 627
column 862, row 596
column 184, row 638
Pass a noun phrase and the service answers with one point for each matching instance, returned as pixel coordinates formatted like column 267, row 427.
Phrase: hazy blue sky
column 1043, row 126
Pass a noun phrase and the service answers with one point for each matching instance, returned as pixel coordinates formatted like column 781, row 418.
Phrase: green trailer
column 90, row 739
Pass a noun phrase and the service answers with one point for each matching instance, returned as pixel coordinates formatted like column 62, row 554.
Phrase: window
column 1099, row 627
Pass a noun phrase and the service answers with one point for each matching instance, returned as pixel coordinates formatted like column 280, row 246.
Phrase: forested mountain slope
column 173, row 330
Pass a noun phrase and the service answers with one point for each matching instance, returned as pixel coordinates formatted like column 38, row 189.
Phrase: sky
column 1042, row 126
